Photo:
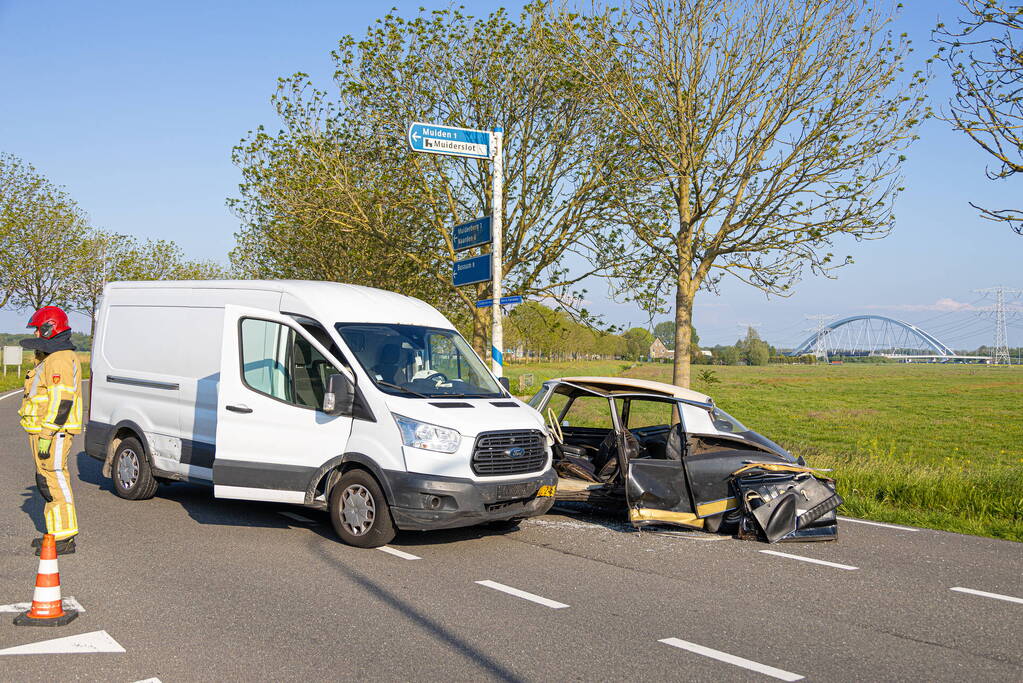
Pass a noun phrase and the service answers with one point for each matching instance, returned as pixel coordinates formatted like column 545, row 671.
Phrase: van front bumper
column 422, row 501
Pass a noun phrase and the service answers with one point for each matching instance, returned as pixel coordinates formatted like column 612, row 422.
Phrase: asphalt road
column 197, row 589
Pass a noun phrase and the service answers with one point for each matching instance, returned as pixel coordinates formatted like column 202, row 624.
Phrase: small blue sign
column 472, row 234
column 471, row 270
column 459, row 142
column 505, row 301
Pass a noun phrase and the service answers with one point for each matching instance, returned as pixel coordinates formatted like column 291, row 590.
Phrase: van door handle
column 239, row 409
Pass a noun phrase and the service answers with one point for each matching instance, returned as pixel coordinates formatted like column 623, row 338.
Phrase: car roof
column 633, row 385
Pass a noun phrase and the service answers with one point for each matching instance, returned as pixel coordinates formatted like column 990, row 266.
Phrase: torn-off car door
column 785, row 503
column 657, row 491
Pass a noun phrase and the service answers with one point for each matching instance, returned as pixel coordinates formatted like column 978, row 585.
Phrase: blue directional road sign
column 471, row 270
column 472, row 234
column 505, row 301
column 459, row 142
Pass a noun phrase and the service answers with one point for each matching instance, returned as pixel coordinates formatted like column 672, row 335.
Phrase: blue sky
column 135, row 107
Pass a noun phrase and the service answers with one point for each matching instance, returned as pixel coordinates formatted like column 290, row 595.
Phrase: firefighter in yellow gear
column 51, row 413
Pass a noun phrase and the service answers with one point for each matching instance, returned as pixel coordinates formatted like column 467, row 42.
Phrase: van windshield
column 410, row 360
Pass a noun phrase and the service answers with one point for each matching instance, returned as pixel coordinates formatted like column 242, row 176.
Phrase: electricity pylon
column 1001, row 356
column 820, row 349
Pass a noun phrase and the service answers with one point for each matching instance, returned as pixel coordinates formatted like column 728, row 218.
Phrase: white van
column 360, row 401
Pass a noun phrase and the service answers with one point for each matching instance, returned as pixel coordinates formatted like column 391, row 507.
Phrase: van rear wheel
column 359, row 511
column 133, row 478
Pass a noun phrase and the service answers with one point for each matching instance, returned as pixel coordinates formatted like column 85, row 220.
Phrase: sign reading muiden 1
column 459, row 142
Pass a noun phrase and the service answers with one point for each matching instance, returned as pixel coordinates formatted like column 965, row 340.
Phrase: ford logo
column 516, row 452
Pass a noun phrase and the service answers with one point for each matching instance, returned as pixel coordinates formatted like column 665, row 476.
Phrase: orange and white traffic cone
column 47, row 608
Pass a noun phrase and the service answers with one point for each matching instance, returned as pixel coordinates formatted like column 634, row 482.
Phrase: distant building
column 658, row 351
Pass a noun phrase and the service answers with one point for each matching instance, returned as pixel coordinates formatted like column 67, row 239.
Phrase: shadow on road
column 32, row 505
column 395, row 602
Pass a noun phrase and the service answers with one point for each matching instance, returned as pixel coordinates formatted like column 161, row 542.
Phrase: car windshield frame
column 415, row 355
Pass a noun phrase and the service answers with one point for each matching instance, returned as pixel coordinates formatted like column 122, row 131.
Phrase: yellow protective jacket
column 53, row 396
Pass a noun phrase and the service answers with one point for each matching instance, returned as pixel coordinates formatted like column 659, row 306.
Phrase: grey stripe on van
column 262, row 475
column 149, row 383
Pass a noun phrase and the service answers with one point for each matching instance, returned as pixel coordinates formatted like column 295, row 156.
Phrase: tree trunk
column 683, row 331
column 479, row 332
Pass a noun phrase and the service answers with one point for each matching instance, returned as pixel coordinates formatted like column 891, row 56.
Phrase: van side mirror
column 505, row 383
column 339, row 398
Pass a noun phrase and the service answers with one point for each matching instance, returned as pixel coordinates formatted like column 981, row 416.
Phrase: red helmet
column 50, row 320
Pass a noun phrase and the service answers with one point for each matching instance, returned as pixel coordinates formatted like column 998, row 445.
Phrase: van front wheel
column 359, row 511
column 133, row 478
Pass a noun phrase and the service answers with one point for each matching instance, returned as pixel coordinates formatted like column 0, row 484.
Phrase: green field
column 938, row 446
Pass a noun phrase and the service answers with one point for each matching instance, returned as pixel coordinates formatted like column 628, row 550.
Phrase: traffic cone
column 47, row 608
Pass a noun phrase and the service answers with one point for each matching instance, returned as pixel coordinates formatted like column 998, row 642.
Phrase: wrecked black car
column 670, row 456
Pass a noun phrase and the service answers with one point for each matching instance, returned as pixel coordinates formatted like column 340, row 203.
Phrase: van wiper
column 401, row 388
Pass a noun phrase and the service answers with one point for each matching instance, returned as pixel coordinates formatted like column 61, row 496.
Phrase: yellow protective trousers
column 54, row 485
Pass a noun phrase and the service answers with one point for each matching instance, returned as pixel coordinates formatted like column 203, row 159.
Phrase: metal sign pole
column 497, row 216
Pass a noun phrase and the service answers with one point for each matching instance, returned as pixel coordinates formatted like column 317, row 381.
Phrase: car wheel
column 359, row 511
column 133, row 477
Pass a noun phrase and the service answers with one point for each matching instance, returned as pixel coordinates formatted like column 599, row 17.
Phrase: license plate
column 546, row 492
column 513, row 491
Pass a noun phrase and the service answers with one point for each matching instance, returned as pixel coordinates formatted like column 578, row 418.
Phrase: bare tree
column 761, row 130
column 984, row 54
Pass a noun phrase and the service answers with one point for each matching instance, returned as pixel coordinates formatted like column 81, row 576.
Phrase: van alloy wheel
column 358, row 509
column 128, row 469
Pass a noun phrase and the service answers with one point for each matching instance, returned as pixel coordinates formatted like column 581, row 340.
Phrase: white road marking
column 297, row 517
column 19, row 607
column 11, row 394
column 985, row 594
column 150, row 680
column 399, row 553
column 84, row 643
column 886, row 526
column 808, row 559
column 732, row 659
column 553, row 604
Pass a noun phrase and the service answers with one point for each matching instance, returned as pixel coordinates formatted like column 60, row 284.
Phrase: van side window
column 283, row 364
column 265, row 357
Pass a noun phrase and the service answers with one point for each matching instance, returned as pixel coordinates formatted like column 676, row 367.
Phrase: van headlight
column 427, row 436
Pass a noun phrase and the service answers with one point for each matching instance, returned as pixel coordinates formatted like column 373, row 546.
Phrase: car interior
column 586, row 444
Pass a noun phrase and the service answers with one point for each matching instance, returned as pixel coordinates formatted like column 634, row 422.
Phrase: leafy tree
column 336, row 194
column 726, row 355
column 760, row 131
column 984, row 54
column 638, row 341
column 752, row 349
column 41, row 227
column 665, row 331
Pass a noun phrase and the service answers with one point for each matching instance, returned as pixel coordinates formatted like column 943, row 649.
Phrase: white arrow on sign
column 84, row 643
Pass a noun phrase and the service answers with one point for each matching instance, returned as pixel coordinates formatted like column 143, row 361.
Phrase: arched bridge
column 874, row 335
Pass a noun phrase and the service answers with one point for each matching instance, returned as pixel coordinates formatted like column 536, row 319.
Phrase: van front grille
column 511, row 452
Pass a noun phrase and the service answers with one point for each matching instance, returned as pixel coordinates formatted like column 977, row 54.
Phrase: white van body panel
column 166, row 364
column 272, row 439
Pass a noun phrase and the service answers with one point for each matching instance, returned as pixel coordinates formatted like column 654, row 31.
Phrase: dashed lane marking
column 297, row 517
column 150, row 680
column 732, row 659
column 985, row 594
column 19, row 607
column 836, row 565
column 553, row 604
column 84, row 643
column 886, row 526
column 399, row 553
column 10, row 394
